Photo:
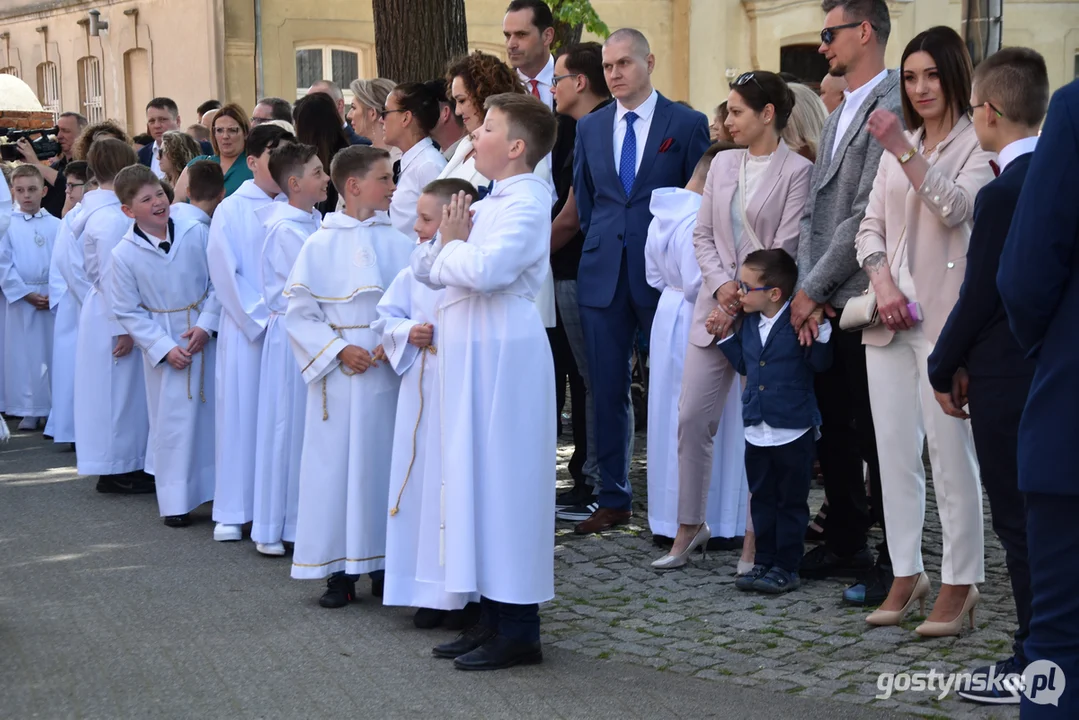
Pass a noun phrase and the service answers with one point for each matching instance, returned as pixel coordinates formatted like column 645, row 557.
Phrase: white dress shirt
column 1015, row 150
column 644, row 111
column 419, row 166
column 544, row 82
column 852, row 102
column 155, row 161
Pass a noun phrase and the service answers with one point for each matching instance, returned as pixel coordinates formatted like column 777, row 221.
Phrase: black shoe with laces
column 466, row 642
column 820, row 563
column 999, row 684
column 500, row 652
column 340, row 591
column 126, row 484
column 178, row 521
column 578, row 495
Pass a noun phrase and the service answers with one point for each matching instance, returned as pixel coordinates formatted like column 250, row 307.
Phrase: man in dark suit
column 977, row 359
column 162, row 115
column 641, row 142
column 1038, row 269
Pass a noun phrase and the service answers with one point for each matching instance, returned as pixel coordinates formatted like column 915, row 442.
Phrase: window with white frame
column 326, row 62
column 91, row 91
column 10, row 70
column 48, row 88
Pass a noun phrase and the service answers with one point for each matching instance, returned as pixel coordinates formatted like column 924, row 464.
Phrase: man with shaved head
column 624, row 151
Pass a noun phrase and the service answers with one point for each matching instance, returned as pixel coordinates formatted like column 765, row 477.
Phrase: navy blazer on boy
column 779, row 374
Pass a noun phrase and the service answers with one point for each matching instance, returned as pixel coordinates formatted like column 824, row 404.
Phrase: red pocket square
column 666, row 145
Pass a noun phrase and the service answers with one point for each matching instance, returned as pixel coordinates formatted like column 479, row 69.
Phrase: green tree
column 571, row 18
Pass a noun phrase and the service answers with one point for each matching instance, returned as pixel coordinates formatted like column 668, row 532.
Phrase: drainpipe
column 259, row 82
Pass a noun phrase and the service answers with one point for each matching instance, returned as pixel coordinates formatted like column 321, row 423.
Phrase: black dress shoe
column 178, row 521
column 378, row 584
column 340, row 591
column 500, row 652
column 124, row 484
column 427, row 618
column 820, row 563
column 466, row 617
column 466, row 642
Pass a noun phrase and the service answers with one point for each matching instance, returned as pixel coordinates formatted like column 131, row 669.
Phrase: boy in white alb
column 407, row 322
column 161, row 294
column 671, row 267
column 25, row 256
column 338, row 279
column 499, row 474
column 298, row 171
column 205, row 191
column 235, row 256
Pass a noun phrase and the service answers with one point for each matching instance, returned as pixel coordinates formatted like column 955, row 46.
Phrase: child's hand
column 355, row 358
column 719, row 323
column 178, row 358
column 380, row 354
column 421, row 335
column 124, row 345
column 456, row 218
column 39, row 301
column 196, row 340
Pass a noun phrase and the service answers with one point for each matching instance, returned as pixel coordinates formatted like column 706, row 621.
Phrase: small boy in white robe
column 162, row 296
column 298, row 171
column 671, row 267
column 67, row 287
column 205, row 191
column 499, row 446
column 407, row 316
column 25, row 257
column 336, row 283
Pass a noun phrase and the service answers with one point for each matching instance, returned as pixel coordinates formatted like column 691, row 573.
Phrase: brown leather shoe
column 603, row 519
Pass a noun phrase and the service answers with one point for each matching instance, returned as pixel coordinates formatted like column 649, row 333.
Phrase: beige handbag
column 861, row 313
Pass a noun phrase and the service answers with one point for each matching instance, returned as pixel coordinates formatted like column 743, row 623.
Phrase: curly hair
column 180, row 148
column 483, row 75
column 105, row 128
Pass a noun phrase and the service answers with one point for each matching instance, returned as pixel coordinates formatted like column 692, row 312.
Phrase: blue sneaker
column 745, row 582
column 994, row 684
column 778, row 581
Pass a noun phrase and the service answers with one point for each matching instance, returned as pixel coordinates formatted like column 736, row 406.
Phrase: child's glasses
column 746, row 289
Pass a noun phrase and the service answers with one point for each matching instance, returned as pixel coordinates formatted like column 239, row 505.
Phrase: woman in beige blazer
column 913, row 245
column 777, row 184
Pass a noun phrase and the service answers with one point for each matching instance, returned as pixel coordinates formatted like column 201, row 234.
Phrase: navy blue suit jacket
column 1038, row 284
column 779, row 374
column 146, row 153
column 609, row 219
column 977, row 335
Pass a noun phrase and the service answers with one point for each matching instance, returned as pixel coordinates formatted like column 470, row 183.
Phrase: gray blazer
column 838, row 196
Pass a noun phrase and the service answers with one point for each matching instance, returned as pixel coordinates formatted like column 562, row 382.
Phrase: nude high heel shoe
column 894, row 617
column 670, row 562
column 952, row 627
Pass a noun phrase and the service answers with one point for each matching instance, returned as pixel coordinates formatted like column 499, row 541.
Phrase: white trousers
column 905, row 414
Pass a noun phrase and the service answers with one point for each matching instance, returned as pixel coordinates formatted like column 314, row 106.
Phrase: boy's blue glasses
column 747, row 289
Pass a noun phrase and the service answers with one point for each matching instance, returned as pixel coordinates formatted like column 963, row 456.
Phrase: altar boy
column 162, row 296
column 408, row 324
column 338, row 279
column 25, row 256
column 499, row 476
column 297, row 170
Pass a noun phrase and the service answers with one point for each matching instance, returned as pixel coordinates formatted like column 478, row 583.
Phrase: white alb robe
column 498, row 398
column 419, row 166
column 25, row 256
column 671, row 267
column 66, row 305
column 112, row 427
column 335, row 285
column 413, row 529
column 5, row 220
column 156, row 297
column 235, row 255
column 282, row 391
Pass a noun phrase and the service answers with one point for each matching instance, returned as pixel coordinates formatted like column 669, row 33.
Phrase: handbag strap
column 743, row 200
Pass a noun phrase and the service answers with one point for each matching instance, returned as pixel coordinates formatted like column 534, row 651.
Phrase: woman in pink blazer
column 752, row 199
column 913, row 244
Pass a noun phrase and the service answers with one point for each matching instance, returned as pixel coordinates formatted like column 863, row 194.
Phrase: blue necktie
column 627, row 166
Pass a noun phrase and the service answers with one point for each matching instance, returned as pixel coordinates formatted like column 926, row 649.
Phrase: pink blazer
column 774, row 211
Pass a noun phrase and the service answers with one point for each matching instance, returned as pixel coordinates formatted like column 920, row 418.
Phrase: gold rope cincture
column 415, row 431
column 202, row 365
column 344, row 370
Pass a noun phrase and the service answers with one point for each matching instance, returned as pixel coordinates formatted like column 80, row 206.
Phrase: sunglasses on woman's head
column 745, row 78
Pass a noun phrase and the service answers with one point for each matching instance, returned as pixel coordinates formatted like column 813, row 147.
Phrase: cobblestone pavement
column 610, row 604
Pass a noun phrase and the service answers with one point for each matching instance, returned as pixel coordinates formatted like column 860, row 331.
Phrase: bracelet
column 907, row 156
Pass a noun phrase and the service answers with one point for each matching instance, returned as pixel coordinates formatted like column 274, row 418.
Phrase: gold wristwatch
column 907, row 156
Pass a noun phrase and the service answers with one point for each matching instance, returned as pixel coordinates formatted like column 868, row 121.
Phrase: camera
column 45, row 145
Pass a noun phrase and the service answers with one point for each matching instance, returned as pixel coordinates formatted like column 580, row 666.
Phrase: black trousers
column 516, row 622
column 996, row 406
column 779, row 478
column 847, row 439
column 567, row 375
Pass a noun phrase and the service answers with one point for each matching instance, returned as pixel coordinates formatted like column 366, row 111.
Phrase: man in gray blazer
column 853, row 40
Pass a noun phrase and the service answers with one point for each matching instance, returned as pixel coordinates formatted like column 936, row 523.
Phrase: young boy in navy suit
column 780, row 413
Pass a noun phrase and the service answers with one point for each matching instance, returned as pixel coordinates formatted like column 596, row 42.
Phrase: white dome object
column 17, row 95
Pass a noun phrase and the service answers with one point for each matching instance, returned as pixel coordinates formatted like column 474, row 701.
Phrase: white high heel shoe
column 670, row 562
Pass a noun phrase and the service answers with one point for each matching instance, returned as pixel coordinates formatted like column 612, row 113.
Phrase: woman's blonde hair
column 372, row 93
column 180, row 148
column 806, row 123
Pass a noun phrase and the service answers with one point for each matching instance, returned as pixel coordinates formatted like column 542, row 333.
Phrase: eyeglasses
column 746, row 289
column 76, row 186
column 745, row 78
column 827, row 35
column 383, row 113
column 972, row 108
column 556, row 78
column 256, row 121
column 231, row 131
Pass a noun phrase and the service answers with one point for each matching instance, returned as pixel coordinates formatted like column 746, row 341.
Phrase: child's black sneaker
column 340, row 591
column 777, row 581
column 745, row 582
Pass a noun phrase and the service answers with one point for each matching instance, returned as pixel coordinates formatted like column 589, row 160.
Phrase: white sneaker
column 276, row 549
column 228, row 533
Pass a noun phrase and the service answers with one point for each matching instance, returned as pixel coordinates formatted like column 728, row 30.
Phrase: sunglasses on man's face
column 827, row 35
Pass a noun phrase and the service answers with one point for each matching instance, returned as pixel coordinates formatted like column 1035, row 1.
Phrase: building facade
column 236, row 50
